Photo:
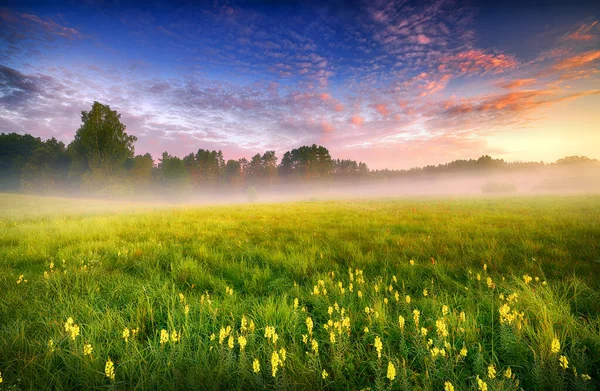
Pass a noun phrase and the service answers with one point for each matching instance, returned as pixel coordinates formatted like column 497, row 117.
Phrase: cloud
column 21, row 26
column 423, row 40
column 52, row 27
column 518, row 83
column 479, row 62
column 586, row 32
column 382, row 109
column 357, row 120
column 327, row 127
column 516, row 102
column 577, row 61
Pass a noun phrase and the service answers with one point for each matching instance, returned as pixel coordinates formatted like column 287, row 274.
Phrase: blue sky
column 393, row 83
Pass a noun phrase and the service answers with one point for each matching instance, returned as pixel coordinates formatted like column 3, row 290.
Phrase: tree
column 15, row 150
column 307, row 162
column 233, row 172
column 172, row 171
column 46, row 168
column 101, row 145
column 140, row 170
column 269, row 167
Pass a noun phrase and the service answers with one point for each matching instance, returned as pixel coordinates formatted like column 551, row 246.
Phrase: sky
column 395, row 84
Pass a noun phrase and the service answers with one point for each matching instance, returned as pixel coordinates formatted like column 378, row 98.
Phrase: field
column 432, row 294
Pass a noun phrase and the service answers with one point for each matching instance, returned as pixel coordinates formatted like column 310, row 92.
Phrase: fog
column 489, row 183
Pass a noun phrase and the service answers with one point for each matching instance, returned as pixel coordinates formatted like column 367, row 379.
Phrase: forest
column 101, row 159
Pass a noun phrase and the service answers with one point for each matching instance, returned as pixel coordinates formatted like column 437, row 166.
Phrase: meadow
column 422, row 294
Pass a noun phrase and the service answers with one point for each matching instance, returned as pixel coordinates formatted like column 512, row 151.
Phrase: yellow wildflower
column 425, row 293
column 423, row 331
column 230, row 342
column 445, row 310
column 485, row 266
column 296, row 303
column 462, row 316
column 126, row 334
column 324, row 374
column 186, row 309
column 51, row 345
column 555, row 346
column 412, row 262
column 463, row 352
column 491, row 372
column 175, row 336
column 109, row 369
column 332, row 337
column 508, row 373
column 448, row 386
column 481, row 384
column 407, row 299
column 309, row 325
column 224, row 333
column 87, row 349
column 490, row 283
column 1, row 377
column 164, row 336
column 527, row 278
column 242, row 341
column 366, row 330
column 378, row 346
column 256, row 366
column 275, row 362
column 442, row 330
column 314, row 346
column 391, row 371
column 563, row 362
column 74, row 331
column 586, row 377
column 401, row 322
column 416, row 314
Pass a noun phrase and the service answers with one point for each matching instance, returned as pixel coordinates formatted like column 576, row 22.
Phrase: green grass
column 138, row 266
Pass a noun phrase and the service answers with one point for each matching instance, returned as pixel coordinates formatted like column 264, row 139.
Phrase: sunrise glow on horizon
column 395, row 84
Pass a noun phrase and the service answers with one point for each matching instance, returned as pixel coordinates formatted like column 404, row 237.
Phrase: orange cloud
column 577, row 61
column 515, row 102
column 517, row 83
column 583, row 33
column 357, row 120
column 339, row 107
column 382, row 109
column 476, row 61
column 324, row 96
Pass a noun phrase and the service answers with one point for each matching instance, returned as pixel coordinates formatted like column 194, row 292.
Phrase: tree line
column 101, row 158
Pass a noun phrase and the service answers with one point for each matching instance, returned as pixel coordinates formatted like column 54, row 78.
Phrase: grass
column 192, row 272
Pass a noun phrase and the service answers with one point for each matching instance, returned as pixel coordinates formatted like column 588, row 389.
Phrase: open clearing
column 404, row 294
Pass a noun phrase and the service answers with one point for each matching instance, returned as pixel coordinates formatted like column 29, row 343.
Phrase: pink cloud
column 423, row 40
column 339, row 107
column 357, row 120
column 382, row 109
column 324, row 96
column 327, row 127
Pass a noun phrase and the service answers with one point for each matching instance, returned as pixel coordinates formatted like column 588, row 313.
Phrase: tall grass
column 497, row 283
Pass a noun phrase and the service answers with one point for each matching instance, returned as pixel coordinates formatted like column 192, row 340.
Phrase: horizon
column 390, row 84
